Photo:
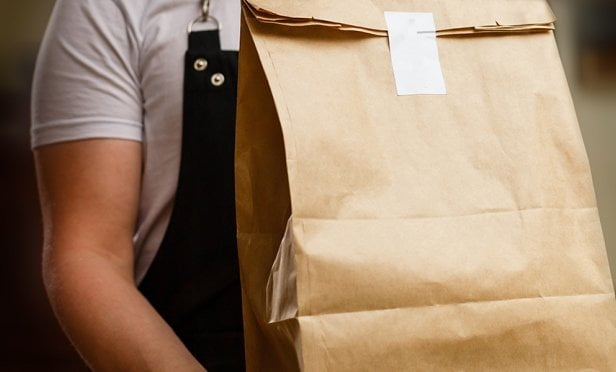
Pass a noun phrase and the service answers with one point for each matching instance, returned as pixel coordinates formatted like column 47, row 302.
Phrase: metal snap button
column 200, row 64
column 218, row 79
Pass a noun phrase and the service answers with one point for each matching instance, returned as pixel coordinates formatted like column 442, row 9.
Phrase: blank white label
column 414, row 53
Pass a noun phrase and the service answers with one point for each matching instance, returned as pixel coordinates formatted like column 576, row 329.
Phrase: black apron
column 194, row 281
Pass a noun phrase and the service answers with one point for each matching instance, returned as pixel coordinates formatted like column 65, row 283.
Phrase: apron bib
column 193, row 281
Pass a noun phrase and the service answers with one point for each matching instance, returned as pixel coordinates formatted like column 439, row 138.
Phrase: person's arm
column 89, row 195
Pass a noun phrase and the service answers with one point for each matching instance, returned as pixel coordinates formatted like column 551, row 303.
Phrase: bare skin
column 89, row 195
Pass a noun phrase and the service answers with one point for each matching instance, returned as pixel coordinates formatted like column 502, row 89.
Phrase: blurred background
column 30, row 339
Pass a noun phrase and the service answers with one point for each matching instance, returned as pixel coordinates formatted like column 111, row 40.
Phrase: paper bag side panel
column 263, row 207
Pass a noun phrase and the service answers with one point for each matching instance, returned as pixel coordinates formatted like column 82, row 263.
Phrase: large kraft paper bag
column 380, row 232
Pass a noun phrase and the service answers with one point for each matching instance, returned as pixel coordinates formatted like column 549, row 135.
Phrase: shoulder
column 87, row 78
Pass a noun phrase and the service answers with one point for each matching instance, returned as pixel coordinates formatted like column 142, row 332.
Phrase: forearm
column 89, row 197
column 106, row 317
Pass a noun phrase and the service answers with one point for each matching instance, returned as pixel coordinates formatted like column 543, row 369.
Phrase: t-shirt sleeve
column 86, row 81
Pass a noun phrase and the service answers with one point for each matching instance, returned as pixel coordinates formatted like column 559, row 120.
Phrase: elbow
column 52, row 275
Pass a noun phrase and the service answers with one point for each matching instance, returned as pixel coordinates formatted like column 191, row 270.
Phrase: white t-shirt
column 114, row 69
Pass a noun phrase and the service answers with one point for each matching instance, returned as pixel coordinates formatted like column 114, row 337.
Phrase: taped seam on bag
column 414, row 53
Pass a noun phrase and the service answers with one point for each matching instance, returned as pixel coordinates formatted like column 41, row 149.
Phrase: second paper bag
column 456, row 231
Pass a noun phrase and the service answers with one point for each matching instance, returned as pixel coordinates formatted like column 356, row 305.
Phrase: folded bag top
column 451, row 16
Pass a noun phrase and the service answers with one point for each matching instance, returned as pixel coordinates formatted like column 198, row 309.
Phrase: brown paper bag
column 394, row 233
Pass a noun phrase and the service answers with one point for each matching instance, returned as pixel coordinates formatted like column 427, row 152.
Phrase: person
column 133, row 133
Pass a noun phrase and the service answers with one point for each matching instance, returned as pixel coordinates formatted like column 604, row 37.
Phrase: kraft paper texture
column 425, row 232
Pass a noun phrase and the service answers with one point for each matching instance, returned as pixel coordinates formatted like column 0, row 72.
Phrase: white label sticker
column 414, row 53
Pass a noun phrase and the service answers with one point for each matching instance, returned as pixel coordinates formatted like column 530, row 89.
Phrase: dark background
column 30, row 339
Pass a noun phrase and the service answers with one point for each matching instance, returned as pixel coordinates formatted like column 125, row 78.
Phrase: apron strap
column 194, row 280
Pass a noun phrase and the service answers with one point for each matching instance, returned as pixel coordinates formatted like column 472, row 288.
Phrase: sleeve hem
column 80, row 129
